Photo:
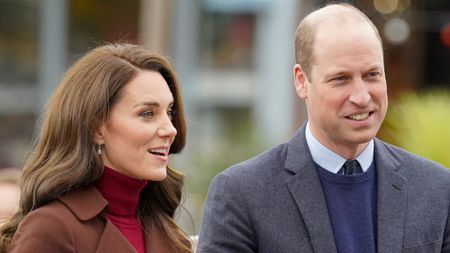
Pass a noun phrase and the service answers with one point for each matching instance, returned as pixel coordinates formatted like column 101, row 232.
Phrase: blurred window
column 227, row 40
column 92, row 22
column 18, row 42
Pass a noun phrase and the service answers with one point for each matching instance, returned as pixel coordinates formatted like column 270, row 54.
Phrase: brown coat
column 75, row 223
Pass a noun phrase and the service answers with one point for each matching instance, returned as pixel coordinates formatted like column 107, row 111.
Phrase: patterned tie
column 350, row 168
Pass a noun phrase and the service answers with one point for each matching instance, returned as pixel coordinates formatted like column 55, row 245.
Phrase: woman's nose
column 167, row 128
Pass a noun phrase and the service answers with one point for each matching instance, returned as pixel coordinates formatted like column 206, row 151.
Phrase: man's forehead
column 341, row 40
column 336, row 16
column 341, row 28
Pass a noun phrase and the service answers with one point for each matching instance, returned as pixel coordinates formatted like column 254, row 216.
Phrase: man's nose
column 360, row 93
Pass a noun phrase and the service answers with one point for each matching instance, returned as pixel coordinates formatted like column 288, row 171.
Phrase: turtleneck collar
column 121, row 192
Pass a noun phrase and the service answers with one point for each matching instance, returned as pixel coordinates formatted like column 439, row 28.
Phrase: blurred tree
column 240, row 142
column 419, row 122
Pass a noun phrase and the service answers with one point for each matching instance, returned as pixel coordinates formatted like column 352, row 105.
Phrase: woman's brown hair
column 63, row 158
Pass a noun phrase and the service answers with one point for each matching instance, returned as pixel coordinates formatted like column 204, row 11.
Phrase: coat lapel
column 391, row 200
column 112, row 241
column 89, row 203
column 306, row 189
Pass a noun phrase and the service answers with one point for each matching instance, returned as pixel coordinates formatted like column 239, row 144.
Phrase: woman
column 97, row 179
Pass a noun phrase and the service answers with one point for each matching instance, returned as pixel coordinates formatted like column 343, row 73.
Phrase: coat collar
column 306, row 189
column 85, row 204
column 89, row 203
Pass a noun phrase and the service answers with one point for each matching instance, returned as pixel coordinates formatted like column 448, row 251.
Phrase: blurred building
column 234, row 57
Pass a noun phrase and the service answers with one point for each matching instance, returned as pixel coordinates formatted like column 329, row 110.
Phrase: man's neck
column 346, row 150
column 333, row 159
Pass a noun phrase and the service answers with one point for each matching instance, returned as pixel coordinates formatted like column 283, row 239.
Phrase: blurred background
column 234, row 59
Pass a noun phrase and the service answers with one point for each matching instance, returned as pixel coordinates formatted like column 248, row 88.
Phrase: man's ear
column 300, row 81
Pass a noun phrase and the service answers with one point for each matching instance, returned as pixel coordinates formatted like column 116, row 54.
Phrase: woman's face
column 137, row 136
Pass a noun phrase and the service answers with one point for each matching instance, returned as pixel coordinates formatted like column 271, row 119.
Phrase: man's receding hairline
column 335, row 12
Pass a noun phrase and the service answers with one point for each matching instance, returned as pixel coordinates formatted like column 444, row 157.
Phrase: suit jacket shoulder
column 411, row 166
column 261, row 165
column 253, row 206
column 413, row 201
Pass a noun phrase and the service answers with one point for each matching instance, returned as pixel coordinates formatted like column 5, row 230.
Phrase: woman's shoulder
column 83, row 204
column 45, row 229
column 62, row 224
column 60, row 214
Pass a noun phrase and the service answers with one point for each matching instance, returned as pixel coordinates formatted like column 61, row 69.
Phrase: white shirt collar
column 331, row 161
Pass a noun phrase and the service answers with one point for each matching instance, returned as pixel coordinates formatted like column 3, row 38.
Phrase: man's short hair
column 306, row 30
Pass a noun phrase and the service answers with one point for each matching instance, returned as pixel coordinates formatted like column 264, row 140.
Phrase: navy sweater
column 352, row 207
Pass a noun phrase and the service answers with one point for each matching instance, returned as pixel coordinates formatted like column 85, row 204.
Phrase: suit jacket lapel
column 391, row 200
column 307, row 192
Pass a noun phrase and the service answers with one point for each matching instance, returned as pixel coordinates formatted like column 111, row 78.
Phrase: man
column 333, row 187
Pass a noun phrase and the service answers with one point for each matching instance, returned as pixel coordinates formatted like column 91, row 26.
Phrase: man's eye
column 373, row 74
column 147, row 114
column 340, row 78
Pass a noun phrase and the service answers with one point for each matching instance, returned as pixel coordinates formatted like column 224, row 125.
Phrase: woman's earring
column 98, row 149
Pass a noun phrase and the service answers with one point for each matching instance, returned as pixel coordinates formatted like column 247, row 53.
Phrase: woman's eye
column 171, row 113
column 147, row 114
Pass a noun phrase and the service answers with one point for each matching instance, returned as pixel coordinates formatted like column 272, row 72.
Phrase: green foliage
column 212, row 155
column 420, row 123
column 220, row 154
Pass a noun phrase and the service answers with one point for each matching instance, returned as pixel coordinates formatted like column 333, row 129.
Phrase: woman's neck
column 121, row 192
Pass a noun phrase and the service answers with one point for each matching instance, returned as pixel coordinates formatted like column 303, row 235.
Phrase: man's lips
column 360, row 116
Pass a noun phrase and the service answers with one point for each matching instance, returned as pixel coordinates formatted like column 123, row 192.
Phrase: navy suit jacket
column 274, row 202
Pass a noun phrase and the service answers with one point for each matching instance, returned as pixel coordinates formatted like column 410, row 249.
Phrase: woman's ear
column 300, row 81
column 98, row 133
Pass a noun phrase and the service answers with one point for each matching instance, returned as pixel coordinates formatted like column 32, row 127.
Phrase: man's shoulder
column 261, row 164
column 415, row 164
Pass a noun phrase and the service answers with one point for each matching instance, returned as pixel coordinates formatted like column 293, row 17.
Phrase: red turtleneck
column 122, row 194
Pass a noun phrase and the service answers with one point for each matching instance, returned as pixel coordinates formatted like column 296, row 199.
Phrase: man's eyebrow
column 375, row 67
column 336, row 73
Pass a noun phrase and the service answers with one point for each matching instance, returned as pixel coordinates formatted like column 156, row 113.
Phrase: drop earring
column 98, row 149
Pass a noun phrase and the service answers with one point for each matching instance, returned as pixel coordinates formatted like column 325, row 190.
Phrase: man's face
column 345, row 93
